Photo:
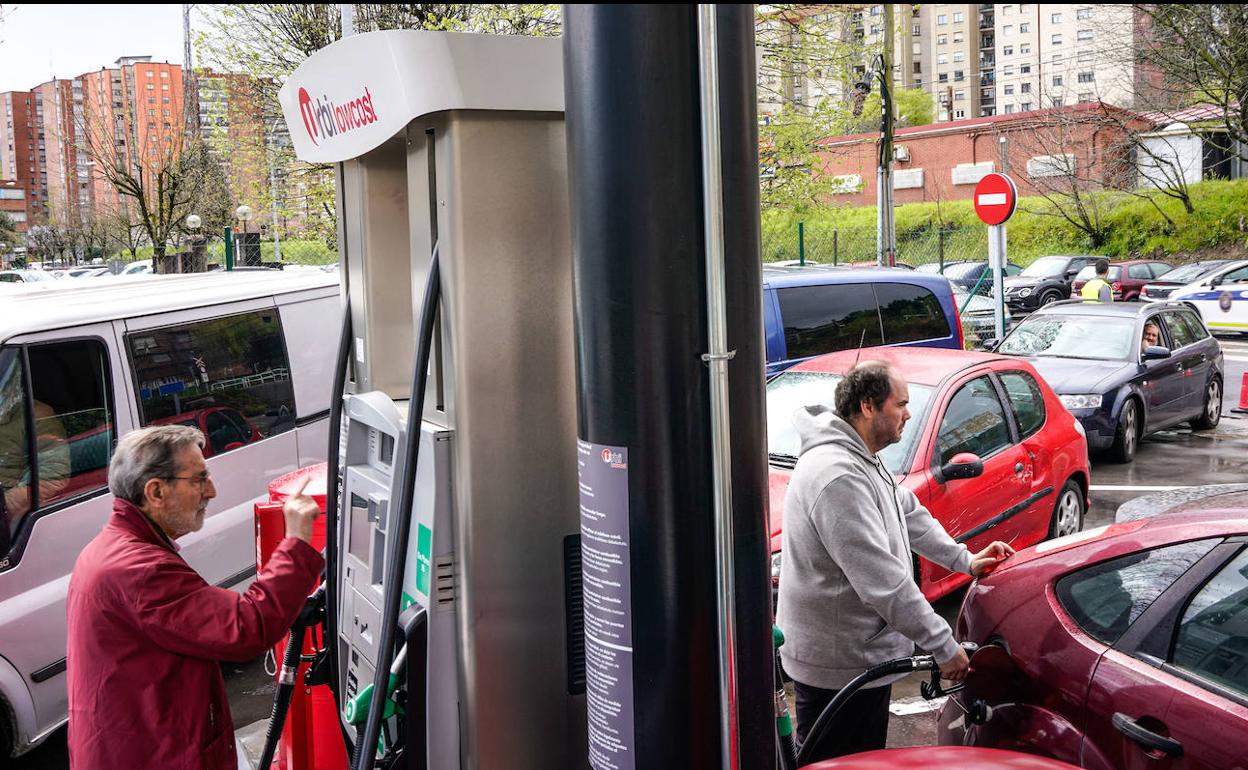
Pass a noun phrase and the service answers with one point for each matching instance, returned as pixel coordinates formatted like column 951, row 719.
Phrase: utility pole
column 886, row 238
column 190, row 87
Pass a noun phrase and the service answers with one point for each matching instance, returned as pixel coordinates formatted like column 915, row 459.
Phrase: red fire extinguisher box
column 311, row 737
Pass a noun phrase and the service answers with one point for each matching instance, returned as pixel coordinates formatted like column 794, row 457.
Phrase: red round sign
column 995, row 198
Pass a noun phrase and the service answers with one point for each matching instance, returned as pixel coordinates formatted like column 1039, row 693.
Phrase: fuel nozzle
column 932, row 688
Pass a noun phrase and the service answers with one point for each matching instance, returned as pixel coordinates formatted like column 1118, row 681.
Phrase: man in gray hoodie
column 848, row 599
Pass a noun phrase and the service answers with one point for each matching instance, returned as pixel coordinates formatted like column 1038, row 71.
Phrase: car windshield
column 1093, row 338
column 1046, row 267
column 963, row 270
column 1089, row 272
column 1188, row 273
column 791, row 391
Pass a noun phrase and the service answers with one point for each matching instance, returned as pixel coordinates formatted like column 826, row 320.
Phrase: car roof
column 789, row 277
column 1115, row 309
column 921, row 366
column 49, row 305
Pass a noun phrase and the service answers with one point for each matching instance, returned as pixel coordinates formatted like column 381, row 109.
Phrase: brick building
column 944, row 161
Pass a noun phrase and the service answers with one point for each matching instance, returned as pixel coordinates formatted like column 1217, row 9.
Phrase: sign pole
column 996, row 263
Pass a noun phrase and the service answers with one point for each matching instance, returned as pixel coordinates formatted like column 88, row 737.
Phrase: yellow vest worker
column 1098, row 289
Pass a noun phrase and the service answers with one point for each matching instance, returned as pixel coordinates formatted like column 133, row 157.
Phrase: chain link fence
column 270, row 249
column 826, row 244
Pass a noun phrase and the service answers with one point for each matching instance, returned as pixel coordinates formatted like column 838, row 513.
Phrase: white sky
column 38, row 42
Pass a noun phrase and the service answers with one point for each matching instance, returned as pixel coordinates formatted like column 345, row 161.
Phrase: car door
column 1224, row 307
column 1161, row 382
column 975, row 511
column 1208, row 712
column 1191, row 363
column 1128, row 695
column 1137, row 276
column 1030, row 522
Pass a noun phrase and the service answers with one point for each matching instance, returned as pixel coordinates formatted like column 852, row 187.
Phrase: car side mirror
column 1215, row 281
column 990, row 344
column 963, row 465
column 1156, row 352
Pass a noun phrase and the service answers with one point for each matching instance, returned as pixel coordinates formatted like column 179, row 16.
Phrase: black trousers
column 860, row 725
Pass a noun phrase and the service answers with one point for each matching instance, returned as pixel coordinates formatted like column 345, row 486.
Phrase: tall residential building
column 951, row 57
column 19, row 162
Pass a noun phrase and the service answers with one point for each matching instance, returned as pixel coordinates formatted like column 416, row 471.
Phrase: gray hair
column 868, row 381
column 146, row 454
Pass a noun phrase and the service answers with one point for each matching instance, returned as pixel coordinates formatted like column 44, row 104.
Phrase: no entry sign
column 995, row 198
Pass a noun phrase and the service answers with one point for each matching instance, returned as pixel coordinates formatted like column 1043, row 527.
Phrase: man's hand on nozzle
column 300, row 512
column 994, row 554
column 956, row 667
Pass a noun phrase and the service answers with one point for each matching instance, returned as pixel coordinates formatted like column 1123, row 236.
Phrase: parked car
column 1043, row 281
column 1117, row 648
column 82, row 363
column 811, row 311
column 1221, row 298
column 1164, row 285
column 979, row 316
column 968, row 275
column 1022, row 463
column 136, row 267
column 24, row 276
column 1126, row 279
column 1091, row 354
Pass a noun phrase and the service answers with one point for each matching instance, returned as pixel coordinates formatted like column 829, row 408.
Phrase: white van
column 245, row 357
column 1221, row 298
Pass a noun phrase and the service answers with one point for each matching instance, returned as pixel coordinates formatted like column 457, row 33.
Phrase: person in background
column 1098, row 289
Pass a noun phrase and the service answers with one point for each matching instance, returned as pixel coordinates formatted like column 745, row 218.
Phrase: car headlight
column 1024, row 292
column 1088, row 401
column 775, row 565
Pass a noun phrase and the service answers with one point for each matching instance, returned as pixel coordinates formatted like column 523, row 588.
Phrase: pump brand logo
column 614, row 459
column 324, row 118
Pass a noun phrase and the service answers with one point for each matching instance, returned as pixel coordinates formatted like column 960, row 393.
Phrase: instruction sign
column 605, row 563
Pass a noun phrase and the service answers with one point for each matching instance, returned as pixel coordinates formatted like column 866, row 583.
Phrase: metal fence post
column 801, row 243
column 940, row 248
column 229, row 248
column 835, row 246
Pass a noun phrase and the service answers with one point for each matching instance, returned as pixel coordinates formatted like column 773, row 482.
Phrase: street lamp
column 243, row 213
column 886, row 234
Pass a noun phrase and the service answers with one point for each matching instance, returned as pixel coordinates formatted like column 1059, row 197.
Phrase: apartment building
column 19, row 161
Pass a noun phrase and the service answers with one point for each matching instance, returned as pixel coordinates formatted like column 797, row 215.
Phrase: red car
column 1117, row 648
column 223, row 427
column 1021, row 470
column 1126, row 279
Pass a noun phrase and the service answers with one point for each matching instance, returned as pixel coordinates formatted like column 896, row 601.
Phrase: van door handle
column 1018, row 467
column 1153, row 743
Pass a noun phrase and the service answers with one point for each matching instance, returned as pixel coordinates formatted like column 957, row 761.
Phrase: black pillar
column 634, row 157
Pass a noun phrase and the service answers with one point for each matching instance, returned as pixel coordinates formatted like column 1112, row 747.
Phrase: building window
column 1056, row 40
column 942, row 77
column 1083, row 34
column 1009, row 109
column 958, row 18
column 164, row 73
column 1025, row 88
column 942, row 39
column 959, row 76
column 1086, row 96
column 917, row 30
column 1007, row 70
column 918, row 68
column 944, row 115
column 1057, row 58
column 1024, row 7
column 151, row 86
column 1057, row 101
column 1057, row 80
column 1083, row 13
column 1007, row 50
column 1087, row 77
column 1006, row 10
column 942, row 58
column 151, row 74
column 959, row 96
column 959, row 114
column 1009, row 90
column 1024, row 69
column 1024, row 107
column 1085, row 56
column 1023, row 29
column 942, row 19
column 1024, row 47
column 958, row 37
column 1008, row 29
column 959, row 55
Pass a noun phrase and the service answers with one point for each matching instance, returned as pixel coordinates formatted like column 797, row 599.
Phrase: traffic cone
column 1243, row 397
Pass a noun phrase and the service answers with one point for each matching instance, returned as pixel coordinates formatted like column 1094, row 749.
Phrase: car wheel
column 1068, row 512
column 1211, row 415
column 1049, row 297
column 1127, row 435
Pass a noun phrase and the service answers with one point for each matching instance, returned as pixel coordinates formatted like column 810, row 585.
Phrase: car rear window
column 910, row 313
column 1106, row 598
column 1089, row 272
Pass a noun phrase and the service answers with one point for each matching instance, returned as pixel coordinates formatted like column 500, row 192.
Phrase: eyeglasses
column 199, row 480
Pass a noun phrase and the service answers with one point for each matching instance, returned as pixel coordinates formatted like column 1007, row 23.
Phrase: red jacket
column 145, row 637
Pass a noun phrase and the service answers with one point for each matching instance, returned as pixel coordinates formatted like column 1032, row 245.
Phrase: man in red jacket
column 146, row 633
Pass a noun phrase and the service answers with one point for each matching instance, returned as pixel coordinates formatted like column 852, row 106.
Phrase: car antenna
column 861, row 340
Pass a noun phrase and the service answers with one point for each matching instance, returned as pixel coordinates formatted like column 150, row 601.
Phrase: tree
column 9, row 236
column 48, row 241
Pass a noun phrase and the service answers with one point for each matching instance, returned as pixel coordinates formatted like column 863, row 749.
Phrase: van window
column 228, row 377
column 910, row 313
column 72, row 430
column 824, row 319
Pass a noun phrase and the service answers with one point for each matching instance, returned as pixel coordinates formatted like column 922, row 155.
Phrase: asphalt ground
column 1177, row 458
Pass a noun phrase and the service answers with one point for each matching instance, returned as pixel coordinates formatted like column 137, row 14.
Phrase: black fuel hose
column 332, row 511
column 286, row 677
column 366, row 745
column 898, row 666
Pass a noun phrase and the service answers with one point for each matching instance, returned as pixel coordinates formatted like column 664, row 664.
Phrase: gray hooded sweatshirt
column 848, row 599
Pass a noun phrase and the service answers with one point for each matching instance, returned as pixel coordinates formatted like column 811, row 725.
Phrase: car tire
column 1127, row 433
column 1211, row 409
column 1068, row 511
column 1049, row 297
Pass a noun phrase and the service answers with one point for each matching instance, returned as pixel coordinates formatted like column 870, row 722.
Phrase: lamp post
column 886, row 234
column 193, row 223
column 244, row 255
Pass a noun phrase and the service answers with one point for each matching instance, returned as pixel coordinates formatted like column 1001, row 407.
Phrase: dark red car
column 224, row 428
column 1126, row 279
column 986, row 417
column 1118, row 648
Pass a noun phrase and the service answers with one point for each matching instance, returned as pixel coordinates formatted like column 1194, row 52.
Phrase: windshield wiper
column 780, row 458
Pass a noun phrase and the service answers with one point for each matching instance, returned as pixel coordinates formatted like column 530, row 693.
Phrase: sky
column 40, row 41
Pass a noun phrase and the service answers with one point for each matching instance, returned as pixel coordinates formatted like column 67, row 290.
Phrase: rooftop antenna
column 861, row 340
